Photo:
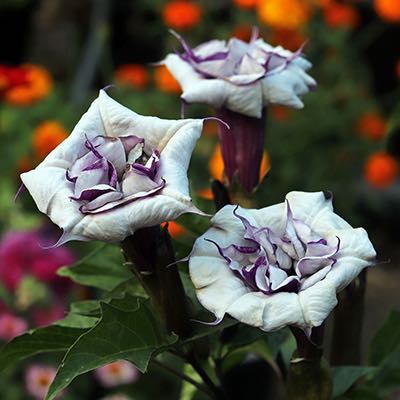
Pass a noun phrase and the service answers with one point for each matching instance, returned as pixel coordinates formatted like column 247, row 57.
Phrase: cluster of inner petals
column 113, row 172
column 237, row 61
column 271, row 263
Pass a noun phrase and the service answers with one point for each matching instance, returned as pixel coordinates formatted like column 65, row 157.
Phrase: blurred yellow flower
column 284, row 14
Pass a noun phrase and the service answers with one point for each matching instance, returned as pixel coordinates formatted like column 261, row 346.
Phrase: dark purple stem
column 242, row 147
column 348, row 323
column 309, row 376
column 151, row 258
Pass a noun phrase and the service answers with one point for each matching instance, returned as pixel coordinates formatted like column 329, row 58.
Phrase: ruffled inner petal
column 272, row 263
column 111, row 174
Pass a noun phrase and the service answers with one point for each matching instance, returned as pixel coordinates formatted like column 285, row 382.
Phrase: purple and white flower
column 117, row 172
column 242, row 77
column 240, row 80
column 279, row 265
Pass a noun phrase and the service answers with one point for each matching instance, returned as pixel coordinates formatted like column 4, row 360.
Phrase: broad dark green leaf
column 387, row 340
column 133, row 335
column 103, row 269
column 43, row 340
column 386, row 379
column 345, row 377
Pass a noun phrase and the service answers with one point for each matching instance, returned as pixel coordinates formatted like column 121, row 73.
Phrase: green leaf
column 387, row 340
column 103, row 269
column 43, row 340
column 73, row 320
column 386, row 379
column 345, row 377
column 133, row 335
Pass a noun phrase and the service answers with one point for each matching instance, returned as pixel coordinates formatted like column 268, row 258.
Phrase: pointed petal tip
column 219, row 120
column 212, row 323
column 66, row 236
column 107, row 87
column 20, row 190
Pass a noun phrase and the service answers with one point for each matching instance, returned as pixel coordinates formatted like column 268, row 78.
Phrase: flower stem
column 348, row 322
column 309, row 376
column 184, row 377
column 242, row 147
column 150, row 255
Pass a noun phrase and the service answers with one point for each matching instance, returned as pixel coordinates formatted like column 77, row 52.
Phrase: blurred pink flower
column 11, row 326
column 46, row 316
column 117, row 373
column 38, row 379
column 20, row 254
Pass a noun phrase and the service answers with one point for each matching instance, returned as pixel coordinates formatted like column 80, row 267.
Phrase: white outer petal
column 175, row 162
column 51, row 191
column 221, row 292
column 267, row 312
column 121, row 121
column 246, row 99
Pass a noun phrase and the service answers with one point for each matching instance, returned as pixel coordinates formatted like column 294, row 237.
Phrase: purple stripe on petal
column 220, row 251
column 89, row 145
column 249, row 276
column 128, row 199
column 129, row 142
column 69, row 178
column 91, row 193
column 291, row 286
column 245, row 249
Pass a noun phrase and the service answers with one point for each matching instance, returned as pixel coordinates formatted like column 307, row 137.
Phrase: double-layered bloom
column 242, row 77
column 117, row 172
column 239, row 80
column 280, row 265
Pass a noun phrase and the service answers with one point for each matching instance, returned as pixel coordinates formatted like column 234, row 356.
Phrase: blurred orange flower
column 280, row 113
column 46, row 137
column 371, row 125
column 243, row 32
column 206, row 194
column 181, row 14
column 381, row 170
column 284, row 14
column 165, row 81
column 210, row 128
column 288, row 38
column 174, row 229
column 11, row 77
column 24, row 164
column 340, row 15
column 135, row 75
column 245, row 3
column 37, row 85
column 216, row 164
column 389, row 10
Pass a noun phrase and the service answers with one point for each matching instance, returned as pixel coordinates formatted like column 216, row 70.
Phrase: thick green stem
column 150, row 254
column 309, row 377
column 348, row 322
